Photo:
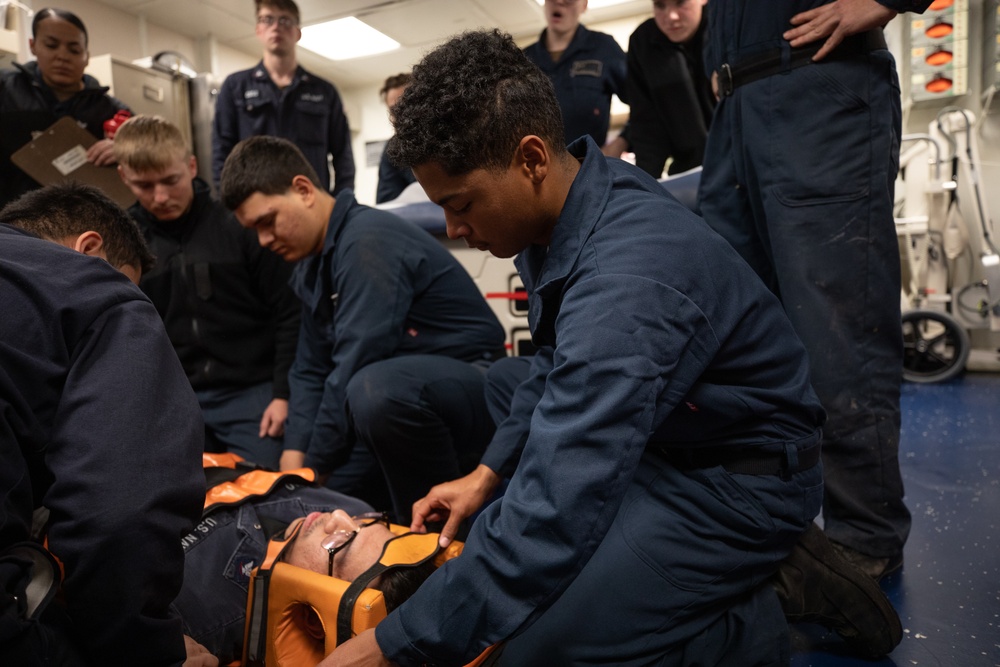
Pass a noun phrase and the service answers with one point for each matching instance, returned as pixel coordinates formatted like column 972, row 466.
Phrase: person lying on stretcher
column 338, row 535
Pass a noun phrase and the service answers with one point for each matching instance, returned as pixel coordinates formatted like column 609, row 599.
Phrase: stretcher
column 296, row 616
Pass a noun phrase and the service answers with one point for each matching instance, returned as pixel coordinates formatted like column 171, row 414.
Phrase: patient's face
column 307, row 550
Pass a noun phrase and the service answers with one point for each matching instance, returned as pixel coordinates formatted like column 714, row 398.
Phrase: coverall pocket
column 820, row 126
column 311, row 118
column 695, row 527
column 253, row 117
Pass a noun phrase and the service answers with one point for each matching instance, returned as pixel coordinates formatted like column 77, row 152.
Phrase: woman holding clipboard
column 36, row 94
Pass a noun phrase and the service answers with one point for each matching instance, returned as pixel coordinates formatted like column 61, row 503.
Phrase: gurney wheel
column 935, row 346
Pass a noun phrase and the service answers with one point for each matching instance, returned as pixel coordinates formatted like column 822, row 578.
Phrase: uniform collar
column 581, row 212
column 260, row 74
column 581, row 39
column 338, row 217
column 311, row 276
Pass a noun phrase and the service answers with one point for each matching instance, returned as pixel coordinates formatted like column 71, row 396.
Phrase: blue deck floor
column 948, row 593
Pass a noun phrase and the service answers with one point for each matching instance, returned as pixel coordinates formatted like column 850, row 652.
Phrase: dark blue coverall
column 392, row 330
column 587, row 74
column 99, row 425
column 798, row 175
column 309, row 113
column 656, row 341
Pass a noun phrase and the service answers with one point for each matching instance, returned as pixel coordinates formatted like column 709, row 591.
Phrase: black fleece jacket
column 225, row 301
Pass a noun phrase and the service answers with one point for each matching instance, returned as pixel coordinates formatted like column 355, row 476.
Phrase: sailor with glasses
column 280, row 98
column 283, row 22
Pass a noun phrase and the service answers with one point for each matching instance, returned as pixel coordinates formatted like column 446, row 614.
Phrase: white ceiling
column 418, row 25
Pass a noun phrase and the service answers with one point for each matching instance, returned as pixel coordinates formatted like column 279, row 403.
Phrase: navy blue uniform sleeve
column 306, row 380
column 340, row 148
column 225, row 127
column 504, row 450
column 374, row 280
column 125, row 456
column 629, row 349
column 271, row 274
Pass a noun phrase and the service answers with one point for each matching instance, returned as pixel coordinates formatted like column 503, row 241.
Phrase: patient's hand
column 198, row 655
column 454, row 502
column 361, row 651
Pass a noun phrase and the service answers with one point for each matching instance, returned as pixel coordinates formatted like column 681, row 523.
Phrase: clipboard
column 59, row 154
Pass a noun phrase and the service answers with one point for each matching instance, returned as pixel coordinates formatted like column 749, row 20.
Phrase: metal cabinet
column 147, row 91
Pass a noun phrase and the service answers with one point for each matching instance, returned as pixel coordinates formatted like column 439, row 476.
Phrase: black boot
column 816, row 585
column 875, row 567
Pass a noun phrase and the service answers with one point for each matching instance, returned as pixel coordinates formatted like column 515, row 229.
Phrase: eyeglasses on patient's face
column 268, row 20
column 339, row 539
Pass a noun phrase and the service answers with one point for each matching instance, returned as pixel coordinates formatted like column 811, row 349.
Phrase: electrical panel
column 939, row 51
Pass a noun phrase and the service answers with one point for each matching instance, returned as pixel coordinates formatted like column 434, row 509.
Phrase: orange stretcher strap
column 231, row 480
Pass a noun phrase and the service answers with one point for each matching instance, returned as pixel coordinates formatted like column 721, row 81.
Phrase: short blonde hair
column 149, row 143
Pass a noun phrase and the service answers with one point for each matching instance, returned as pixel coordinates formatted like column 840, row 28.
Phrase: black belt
column 746, row 461
column 774, row 61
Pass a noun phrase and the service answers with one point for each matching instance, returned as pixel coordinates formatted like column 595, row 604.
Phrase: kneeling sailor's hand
column 361, row 651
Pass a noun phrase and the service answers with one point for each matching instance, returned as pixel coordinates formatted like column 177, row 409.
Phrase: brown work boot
column 816, row 585
column 874, row 567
